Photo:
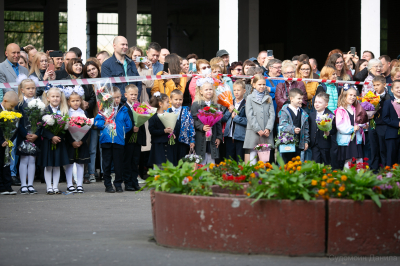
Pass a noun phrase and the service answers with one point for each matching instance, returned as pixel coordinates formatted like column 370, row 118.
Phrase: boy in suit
column 377, row 135
column 320, row 146
column 10, row 100
column 294, row 120
column 392, row 120
column 113, row 146
column 132, row 149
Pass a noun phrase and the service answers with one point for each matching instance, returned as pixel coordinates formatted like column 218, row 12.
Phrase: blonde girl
column 53, row 159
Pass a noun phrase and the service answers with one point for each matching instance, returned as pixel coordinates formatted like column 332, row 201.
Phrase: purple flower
column 259, row 182
column 379, row 177
column 368, row 106
column 389, row 175
column 256, row 174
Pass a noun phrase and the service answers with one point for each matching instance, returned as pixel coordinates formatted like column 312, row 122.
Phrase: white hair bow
column 77, row 89
column 22, row 77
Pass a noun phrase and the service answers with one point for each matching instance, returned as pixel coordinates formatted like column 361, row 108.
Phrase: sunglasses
column 204, row 68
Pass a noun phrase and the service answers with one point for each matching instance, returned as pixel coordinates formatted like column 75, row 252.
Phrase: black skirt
column 353, row 150
column 56, row 157
column 160, row 153
column 80, row 155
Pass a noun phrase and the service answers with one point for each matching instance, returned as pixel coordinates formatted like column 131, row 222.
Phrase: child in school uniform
column 53, row 159
column 113, row 146
column 346, row 126
column 160, row 151
column 27, row 165
column 205, row 96
column 75, row 103
column 235, row 130
column 319, row 145
column 132, row 149
column 184, row 128
column 10, row 100
column 392, row 120
column 294, row 120
column 377, row 135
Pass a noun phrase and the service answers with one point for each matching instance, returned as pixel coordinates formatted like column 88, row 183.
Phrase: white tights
column 207, row 159
column 253, row 157
column 27, row 168
column 346, row 163
column 79, row 172
column 52, row 171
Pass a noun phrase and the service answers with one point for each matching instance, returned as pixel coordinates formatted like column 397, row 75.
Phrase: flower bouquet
column 105, row 103
column 192, row 157
column 141, row 113
column 396, row 106
column 324, row 123
column 370, row 103
column 78, row 128
column 169, row 120
column 56, row 124
column 286, row 142
column 34, row 112
column 263, row 151
column 8, row 124
column 209, row 116
column 224, row 94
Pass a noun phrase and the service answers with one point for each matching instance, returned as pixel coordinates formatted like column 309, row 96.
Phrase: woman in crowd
column 252, row 71
column 184, row 66
column 168, row 85
column 338, row 51
column 247, row 65
column 204, row 68
column 361, row 64
column 39, row 69
column 133, row 53
column 74, row 69
column 336, row 61
column 282, row 89
column 92, row 70
column 304, row 71
column 374, row 69
column 23, row 62
column 235, row 69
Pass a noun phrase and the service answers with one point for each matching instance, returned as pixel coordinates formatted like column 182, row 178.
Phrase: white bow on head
column 22, row 77
column 77, row 89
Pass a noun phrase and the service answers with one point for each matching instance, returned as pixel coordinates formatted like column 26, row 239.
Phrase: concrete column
column 2, row 47
column 127, row 20
column 77, row 25
column 229, row 28
column 92, row 32
column 51, row 26
column 371, row 26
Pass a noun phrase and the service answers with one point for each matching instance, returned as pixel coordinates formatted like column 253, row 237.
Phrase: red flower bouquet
column 78, row 128
column 209, row 116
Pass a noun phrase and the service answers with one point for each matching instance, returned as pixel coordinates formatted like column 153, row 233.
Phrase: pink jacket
column 345, row 129
column 192, row 87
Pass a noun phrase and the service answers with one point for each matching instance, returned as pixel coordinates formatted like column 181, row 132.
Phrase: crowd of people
column 261, row 110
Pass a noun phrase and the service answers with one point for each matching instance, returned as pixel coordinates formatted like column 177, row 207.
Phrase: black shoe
column 136, row 187
column 15, row 181
column 119, row 189
column 110, row 190
column 129, row 188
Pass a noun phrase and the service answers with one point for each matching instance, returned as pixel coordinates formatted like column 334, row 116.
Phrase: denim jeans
column 14, row 159
column 306, row 155
column 94, row 140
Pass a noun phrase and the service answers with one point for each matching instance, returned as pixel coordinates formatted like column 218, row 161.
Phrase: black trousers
column 131, row 160
column 321, row 155
column 5, row 173
column 392, row 151
column 367, row 145
column 112, row 153
column 378, row 149
column 234, row 149
column 335, row 162
column 287, row 156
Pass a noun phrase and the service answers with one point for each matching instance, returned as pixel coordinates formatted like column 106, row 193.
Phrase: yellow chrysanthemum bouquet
column 9, row 124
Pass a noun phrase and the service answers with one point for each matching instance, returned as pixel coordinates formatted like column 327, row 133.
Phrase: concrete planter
column 219, row 190
column 282, row 227
column 362, row 228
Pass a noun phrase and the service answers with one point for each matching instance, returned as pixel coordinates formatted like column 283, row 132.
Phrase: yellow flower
column 324, row 177
column 321, row 191
column 248, row 194
column 337, row 182
column 314, row 182
column 330, row 180
column 341, row 189
column 323, row 184
column 156, row 177
column 344, row 178
column 333, row 189
column 298, row 168
column 252, row 175
column 211, row 166
column 339, row 194
column 290, row 172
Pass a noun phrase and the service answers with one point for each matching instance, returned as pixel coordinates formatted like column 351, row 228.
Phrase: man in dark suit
column 320, row 141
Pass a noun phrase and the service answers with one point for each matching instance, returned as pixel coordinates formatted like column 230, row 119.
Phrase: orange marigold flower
column 387, row 168
column 248, row 194
column 330, row 180
column 344, row 178
column 250, row 182
column 339, row 194
column 329, row 174
column 298, row 168
column 333, row 189
column 326, row 190
column 337, row 182
column 314, row 182
column 335, row 171
column 323, row 184
column 324, row 170
column 321, row 191
column 324, row 177
column 298, row 158
column 290, row 172
column 252, row 175
column 156, row 177
column 342, row 188
column 211, row 166
column 190, row 178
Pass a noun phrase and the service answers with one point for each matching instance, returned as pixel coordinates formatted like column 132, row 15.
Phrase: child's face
column 176, row 100
column 117, row 98
column 379, row 87
column 9, row 105
column 54, row 98
column 164, row 105
column 74, row 101
column 396, row 90
column 131, row 96
column 351, row 96
column 29, row 90
column 238, row 92
column 320, row 104
column 296, row 101
column 259, row 85
column 216, row 72
column 207, row 91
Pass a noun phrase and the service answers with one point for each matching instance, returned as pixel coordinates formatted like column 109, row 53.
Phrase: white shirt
column 237, row 105
column 320, row 114
column 3, row 107
column 77, row 112
column 350, row 109
column 55, row 109
column 294, row 109
column 177, row 111
column 28, row 99
column 208, row 103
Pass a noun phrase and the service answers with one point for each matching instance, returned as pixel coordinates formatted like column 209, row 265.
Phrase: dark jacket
column 239, row 123
column 39, row 90
column 282, row 93
column 156, row 129
column 141, row 134
column 316, row 135
column 378, row 117
column 114, row 68
column 22, row 125
column 361, row 76
column 61, row 74
column 391, row 119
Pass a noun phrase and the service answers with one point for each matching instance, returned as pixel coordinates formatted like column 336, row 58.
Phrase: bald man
column 120, row 65
column 10, row 69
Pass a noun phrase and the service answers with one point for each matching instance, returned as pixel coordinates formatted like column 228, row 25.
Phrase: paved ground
column 96, row 228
